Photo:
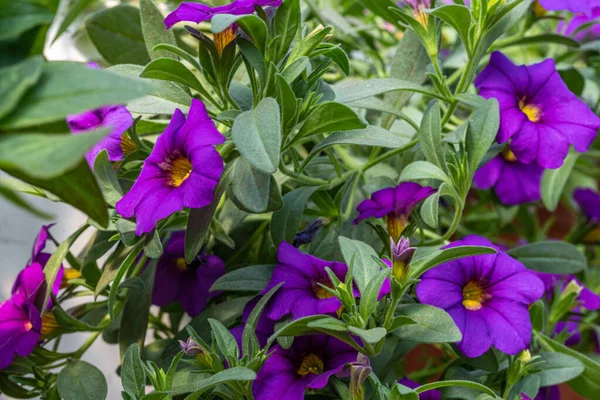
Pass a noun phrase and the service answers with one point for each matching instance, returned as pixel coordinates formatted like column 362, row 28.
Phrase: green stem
column 389, row 154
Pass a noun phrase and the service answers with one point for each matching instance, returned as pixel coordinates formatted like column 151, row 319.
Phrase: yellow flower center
column 69, row 273
column 474, row 296
column 49, row 324
column 127, row 145
column 533, row 112
column 509, row 155
column 421, row 17
column 320, row 291
column 223, row 38
column 311, row 364
column 181, row 264
column 181, row 168
column 28, row 326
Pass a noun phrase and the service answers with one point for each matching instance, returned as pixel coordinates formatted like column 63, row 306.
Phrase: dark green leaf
column 224, row 339
column 251, row 187
column 431, row 325
column 419, row 265
column 107, row 179
column 376, row 86
column 75, row 9
column 371, row 335
column 16, row 81
column 364, row 267
column 285, row 222
column 168, row 69
column 153, row 29
column 430, row 136
column 287, row 23
column 133, row 375
column 123, row 268
column 467, row 384
column 459, row 17
column 329, row 117
column 368, row 299
column 248, row 279
column 554, row 257
column 558, row 368
column 423, row 170
column 482, row 131
column 554, row 181
column 228, row 375
column 80, row 380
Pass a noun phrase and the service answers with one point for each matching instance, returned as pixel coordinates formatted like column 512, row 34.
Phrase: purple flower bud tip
column 402, row 251
column 190, row 347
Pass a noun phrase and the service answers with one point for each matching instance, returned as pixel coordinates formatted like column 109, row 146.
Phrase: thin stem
column 389, row 154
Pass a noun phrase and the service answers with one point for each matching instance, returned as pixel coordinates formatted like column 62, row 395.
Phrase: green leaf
column 287, row 101
column 224, row 339
column 430, row 325
column 254, row 58
column 257, row 135
column 13, row 197
column 285, row 222
column 80, row 380
column 16, row 81
column 430, row 136
column 328, row 117
column 251, row 187
column 123, row 268
column 558, row 368
column 371, row 335
column 364, row 268
column 228, row 375
column 152, row 245
column 252, row 25
column 554, row 181
column 467, row 384
column 420, row 265
column 287, row 22
column 295, row 69
column 423, row 170
column 107, row 179
column 586, row 384
column 368, row 299
column 18, row 18
column 117, row 34
column 153, row 29
column 430, row 207
column 75, row 9
column 377, row 86
column 248, row 279
column 482, row 131
column 199, row 218
column 133, row 375
column 168, row 69
column 554, row 257
column 52, row 100
column 544, row 38
column 459, row 17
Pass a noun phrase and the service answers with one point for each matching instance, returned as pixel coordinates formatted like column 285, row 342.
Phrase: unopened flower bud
column 402, row 254
column 306, row 235
column 193, row 349
column 525, row 356
column 359, row 372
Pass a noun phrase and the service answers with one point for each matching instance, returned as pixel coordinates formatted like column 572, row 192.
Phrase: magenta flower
column 589, row 203
column 428, row 395
column 584, row 6
column 301, row 295
column 513, row 181
column 182, row 170
column 487, row 296
column 578, row 21
column 307, row 364
column 394, row 203
column 20, row 327
column 538, row 113
column 196, row 12
column 186, row 284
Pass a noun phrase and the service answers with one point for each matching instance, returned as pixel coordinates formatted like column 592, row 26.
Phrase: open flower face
column 197, row 12
column 182, row 170
column 186, row 284
column 538, row 113
column 487, row 296
column 309, row 363
column 20, row 330
column 513, row 181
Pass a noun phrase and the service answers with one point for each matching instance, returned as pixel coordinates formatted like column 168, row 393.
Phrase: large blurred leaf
column 18, row 17
column 16, row 81
column 117, row 34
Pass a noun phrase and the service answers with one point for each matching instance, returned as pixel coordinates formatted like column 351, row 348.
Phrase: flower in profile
column 395, row 204
column 582, row 6
column 265, row 326
column 589, row 203
column 115, row 117
column 301, row 295
column 487, row 296
column 428, row 395
column 186, row 284
column 196, row 12
column 538, row 114
column 182, row 170
column 308, row 363
column 20, row 330
column 359, row 372
column 586, row 299
column 402, row 255
column 418, row 7
column 582, row 26
column 513, row 181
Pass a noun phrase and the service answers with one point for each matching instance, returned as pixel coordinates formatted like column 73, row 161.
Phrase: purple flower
column 394, row 203
column 589, row 202
column 182, row 170
column 513, row 181
column 579, row 20
column 195, row 12
column 538, row 113
column 428, row 395
column 307, row 364
column 584, row 6
column 301, row 294
column 186, row 284
column 117, row 117
column 20, row 327
column 586, row 299
column 487, row 296
column 265, row 326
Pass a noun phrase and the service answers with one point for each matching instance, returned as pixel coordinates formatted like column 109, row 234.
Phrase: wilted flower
column 396, row 204
column 309, row 363
column 182, row 170
column 301, row 295
column 428, row 395
column 186, row 284
column 513, row 181
column 487, row 296
column 538, row 113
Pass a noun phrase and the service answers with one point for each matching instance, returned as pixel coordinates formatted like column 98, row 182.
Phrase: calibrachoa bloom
column 394, row 203
column 590, row 32
column 584, row 6
column 182, row 170
column 586, row 298
column 487, row 296
column 513, row 181
column 115, row 117
column 20, row 330
column 428, row 395
column 301, row 294
column 538, row 113
column 307, row 364
column 589, row 202
column 187, row 284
